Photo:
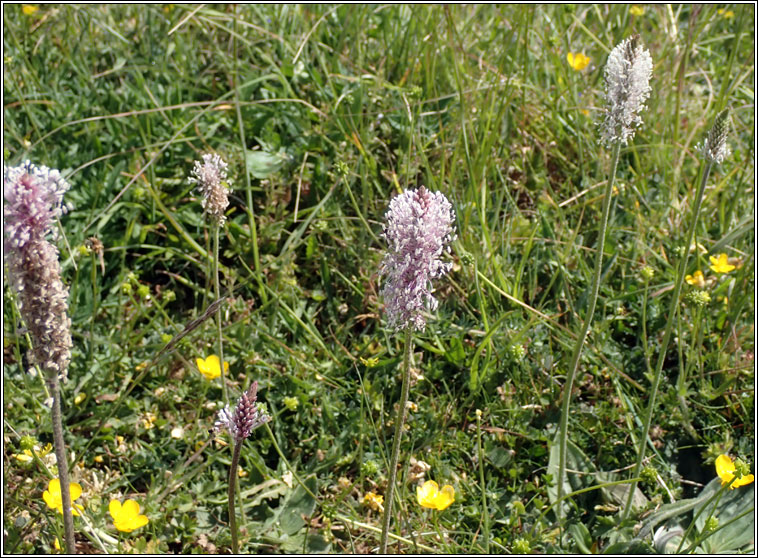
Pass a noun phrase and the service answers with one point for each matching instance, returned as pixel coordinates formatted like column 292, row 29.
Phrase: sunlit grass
column 324, row 113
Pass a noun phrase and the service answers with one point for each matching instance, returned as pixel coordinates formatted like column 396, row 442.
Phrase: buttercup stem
column 399, row 421
column 667, row 335
column 287, row 463
column 62, row 461
column 717, row 498
column 563, row 429
column 232, row 485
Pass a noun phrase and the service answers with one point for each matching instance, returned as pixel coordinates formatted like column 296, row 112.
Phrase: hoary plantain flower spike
column 419, row 229
column 33, row 200
column 246, row 417
column 627, row 87
column 714, row 148
column 210, row 177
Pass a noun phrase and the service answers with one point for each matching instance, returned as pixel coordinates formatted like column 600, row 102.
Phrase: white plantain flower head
column 627, row 87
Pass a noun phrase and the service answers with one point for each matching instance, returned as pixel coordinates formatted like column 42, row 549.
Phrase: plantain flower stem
column 33, row 201
column 714, row 151
column 399, row 422
column 627, row 88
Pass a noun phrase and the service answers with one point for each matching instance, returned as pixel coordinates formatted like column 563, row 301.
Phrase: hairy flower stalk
column 714, row 151
column 33, row 201
column 627, row 86
column 240, row 423
column 419, row 229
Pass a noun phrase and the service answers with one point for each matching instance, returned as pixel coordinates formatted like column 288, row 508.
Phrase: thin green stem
column 667, row 334
column 62, row 461
column 577, row 493
column 702, row 537
column 399, row 420
column 232, row 486
column 485, row 511
column 563, row 429
column 645, row 347
column 717, row 497
column 217, row 293
column 248, row 186
column 369, row 527
column 287, row 463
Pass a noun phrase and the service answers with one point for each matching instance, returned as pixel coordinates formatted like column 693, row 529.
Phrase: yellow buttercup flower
column 27, row 456
column 577, row 61
column 697, row 279
column 374, row 501
column 637, row 10
column 148, row 421
column 210, row 367
column 126, row 517
column 725, row 470
column 727, row 14
column 54, row 500
column 721, row 264
column 429, row 495
column 28, row 9
column 369, row 362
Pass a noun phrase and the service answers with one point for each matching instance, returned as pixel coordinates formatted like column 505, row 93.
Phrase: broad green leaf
column 576, row 460
column 262, row 164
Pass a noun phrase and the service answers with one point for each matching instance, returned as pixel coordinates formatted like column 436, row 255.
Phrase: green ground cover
column 324, row 113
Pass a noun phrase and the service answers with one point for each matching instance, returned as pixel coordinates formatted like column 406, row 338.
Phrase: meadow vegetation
column 324, row 114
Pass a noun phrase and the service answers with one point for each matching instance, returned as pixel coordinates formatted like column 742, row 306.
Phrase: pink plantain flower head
column 627, row 87
column 33, row 200
column 210, row 177
column 419, row 229
column 246, row 417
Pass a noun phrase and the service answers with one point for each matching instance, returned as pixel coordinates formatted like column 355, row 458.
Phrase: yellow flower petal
column 126, row 516
column 210, row 367
column 24, row 457
column 50, row 499
column 114, row 508
column 75, row 489
column 28, row 9
column 721, row 264
column 697, row 279
column 637, row 10
column 725, row 470
column 742, row 481
column 445, row 497
column 577, row 61
column 130, row 507
column 54, row 500
column 429, row 495
column 426, row 492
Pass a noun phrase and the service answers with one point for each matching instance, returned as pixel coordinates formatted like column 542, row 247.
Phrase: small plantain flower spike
column 714, row 148
column 210, row 177
column 246, row 417
column 627, row 87
column 33, row 200
column 419, row 229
